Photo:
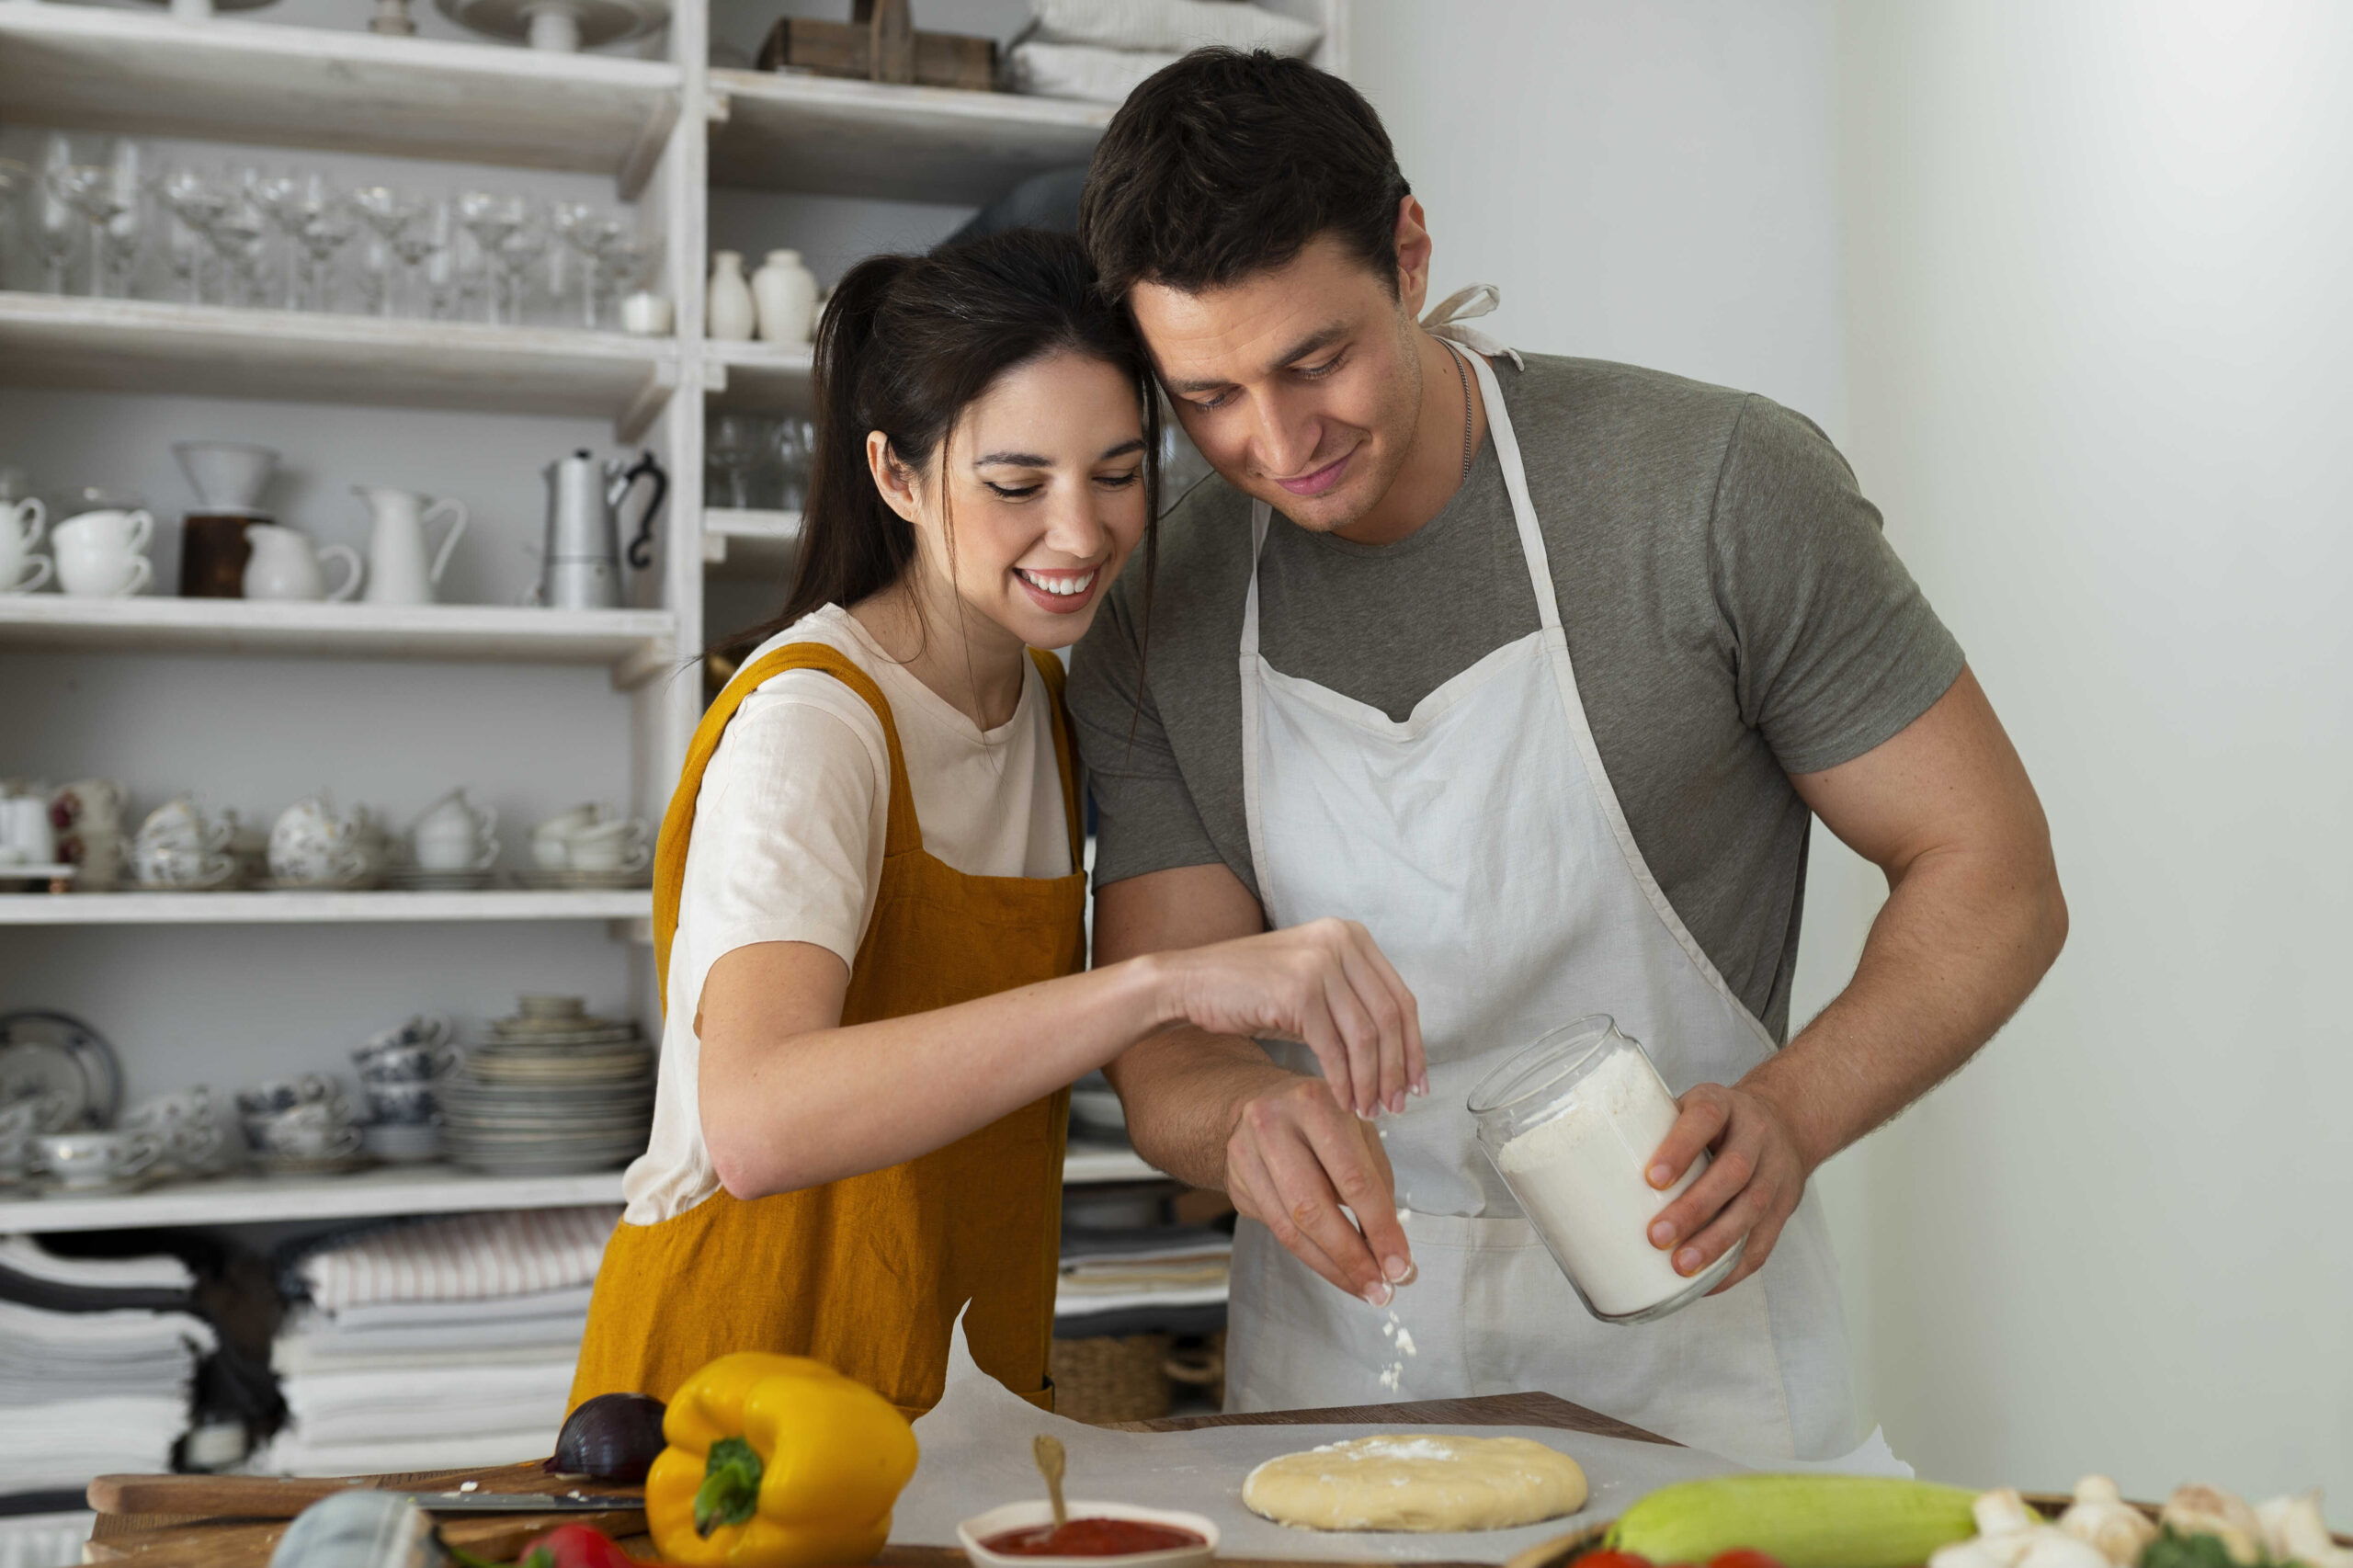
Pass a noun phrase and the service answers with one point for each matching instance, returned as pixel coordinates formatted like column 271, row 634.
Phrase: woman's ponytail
column 852, row 545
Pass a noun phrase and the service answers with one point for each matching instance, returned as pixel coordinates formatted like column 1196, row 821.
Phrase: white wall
column 1647, row 180
column 2096, row 262
column 2065, row 283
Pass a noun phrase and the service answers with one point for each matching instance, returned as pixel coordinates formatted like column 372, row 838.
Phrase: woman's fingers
column 1386, row 1083
column 1362, row 1039
column 1416, row 1064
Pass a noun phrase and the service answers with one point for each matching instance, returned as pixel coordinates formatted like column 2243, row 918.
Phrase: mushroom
column 2002, row 1513
column 2294, row 1531
column 2100, row 1518
column 2209, row 1510
column 2054, row 1548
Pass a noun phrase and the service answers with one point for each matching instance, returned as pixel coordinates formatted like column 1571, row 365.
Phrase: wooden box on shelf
column 879, row 43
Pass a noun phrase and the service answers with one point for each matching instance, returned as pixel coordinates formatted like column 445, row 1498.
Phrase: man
column 1542, row 665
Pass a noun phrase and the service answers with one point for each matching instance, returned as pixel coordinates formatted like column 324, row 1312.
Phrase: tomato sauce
column 1091, row 1537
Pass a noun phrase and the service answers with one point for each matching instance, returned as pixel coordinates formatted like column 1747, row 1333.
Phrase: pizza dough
column 1399, row 1482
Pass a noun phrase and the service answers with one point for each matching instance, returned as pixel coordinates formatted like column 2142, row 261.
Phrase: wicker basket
column 1107, row 1377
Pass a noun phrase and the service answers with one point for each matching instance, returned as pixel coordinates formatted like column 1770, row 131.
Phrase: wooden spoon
column 1048, row 1451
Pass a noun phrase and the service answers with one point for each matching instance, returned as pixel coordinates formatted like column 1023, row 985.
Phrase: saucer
column 552, row 881
column 416, row 878
column 118, row 1187
column 306, row 1165
column 280, row 884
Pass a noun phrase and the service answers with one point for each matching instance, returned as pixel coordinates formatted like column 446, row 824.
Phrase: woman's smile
column 1060, row 592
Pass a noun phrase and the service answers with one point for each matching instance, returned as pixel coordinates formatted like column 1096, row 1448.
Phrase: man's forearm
column 1962, row 941
column 1183, row 1091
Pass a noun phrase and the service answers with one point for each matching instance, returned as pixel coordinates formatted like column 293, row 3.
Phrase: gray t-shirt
column 1731, row 610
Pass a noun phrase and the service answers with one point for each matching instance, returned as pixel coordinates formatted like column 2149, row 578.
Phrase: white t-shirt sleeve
column 788, row 826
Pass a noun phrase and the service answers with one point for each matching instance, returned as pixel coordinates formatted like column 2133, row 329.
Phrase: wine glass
column 239, row 237
column 492, row 220
column 125, row 227
column 15, row 179
column 55, row 235
column 88, row 190
column 528, row 244
column 322, row 235
column 738, row 444
column 796, row 443
column 389, row 216
column 196, row 205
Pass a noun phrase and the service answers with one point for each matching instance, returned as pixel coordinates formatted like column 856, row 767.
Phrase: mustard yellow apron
column 868, row 1274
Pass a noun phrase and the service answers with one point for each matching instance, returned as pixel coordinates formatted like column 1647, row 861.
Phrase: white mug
column 91, row 805
column 20, row 570
column 26, row 836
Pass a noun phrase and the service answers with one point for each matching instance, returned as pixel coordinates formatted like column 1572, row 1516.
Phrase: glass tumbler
column 1571, row 1124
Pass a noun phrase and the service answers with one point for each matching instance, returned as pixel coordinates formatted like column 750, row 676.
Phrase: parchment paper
column 975, row 1448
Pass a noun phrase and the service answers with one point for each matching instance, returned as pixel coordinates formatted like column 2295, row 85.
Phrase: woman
column 868, row 897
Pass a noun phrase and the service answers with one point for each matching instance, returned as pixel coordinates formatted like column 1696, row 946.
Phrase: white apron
column 1480, row 842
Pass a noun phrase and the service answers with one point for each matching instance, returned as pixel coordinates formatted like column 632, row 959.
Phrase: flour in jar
column 1578, row 1175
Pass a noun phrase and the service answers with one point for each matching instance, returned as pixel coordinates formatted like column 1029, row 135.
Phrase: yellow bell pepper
column 776, row 1461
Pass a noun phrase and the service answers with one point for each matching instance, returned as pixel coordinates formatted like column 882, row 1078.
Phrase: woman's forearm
column 786, row 1107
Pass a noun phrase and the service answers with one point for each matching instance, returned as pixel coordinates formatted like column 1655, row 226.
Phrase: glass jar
column 1571, row 1124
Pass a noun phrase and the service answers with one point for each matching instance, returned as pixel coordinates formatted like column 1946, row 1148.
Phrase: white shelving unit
column 225, row 80
column 375, row 907
column 664, row 132
column 423, row 1189
column 749, row 543
column 636, row 644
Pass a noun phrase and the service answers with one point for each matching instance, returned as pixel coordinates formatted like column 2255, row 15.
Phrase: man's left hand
column 1755, row 1176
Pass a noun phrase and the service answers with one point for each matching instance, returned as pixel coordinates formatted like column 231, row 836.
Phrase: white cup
column 20, row 570
column 178, row 824
column 647, row 314
column 608, row 846
column 102, row 554
column 26, row 836
column 94, row 1159
column 454, row 836
column 169, row 866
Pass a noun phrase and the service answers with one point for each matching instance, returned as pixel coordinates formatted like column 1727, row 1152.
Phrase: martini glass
column 514, row 256
column 196, row 205
column 55, row 234
column 491, row 220
column 389, row 216
column 88, row 190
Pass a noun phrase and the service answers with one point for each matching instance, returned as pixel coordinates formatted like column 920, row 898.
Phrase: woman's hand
column 1324, row 984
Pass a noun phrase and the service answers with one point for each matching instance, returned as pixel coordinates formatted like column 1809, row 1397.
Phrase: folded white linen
column 356, row 1406
column 1071, row 1305
column 304, row 1357
column 32, row 1333
column 43, row 1540
column 160, row 1271
column 465, row 1257
column 374, row 1317
column 1079, row 71
column 64, row 1443
column 1171, row 26
column 290, row 1454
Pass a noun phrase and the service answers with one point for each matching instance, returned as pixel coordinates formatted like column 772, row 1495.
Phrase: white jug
column 285, row 567
column 729, row 313
column 398, row 570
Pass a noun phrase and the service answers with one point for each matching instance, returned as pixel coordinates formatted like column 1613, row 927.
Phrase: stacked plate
column 551, row 1091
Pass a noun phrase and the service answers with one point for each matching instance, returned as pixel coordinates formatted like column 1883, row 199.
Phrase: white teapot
column 285, row 565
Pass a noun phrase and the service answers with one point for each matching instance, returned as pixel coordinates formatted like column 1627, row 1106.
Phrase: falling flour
column 1402, row 1338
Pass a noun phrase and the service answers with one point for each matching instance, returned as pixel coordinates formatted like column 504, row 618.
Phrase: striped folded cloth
column 511, row 1252
column 1169, row 27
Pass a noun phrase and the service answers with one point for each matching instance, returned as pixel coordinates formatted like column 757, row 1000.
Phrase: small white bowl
column 1021, row 1516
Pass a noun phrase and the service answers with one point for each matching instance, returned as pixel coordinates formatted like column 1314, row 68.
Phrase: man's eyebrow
column 1134, row 444
column 1315, row 342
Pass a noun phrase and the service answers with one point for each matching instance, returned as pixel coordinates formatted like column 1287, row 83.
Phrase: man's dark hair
column 1226, row 164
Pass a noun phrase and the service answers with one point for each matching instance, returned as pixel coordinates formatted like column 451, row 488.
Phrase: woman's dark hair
column 1226, row 164
column 906, row 344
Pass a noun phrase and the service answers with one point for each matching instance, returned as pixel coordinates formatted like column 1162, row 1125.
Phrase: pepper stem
column 730, row 1486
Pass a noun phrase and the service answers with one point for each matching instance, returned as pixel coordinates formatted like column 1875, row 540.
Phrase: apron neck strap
column 1523, row 509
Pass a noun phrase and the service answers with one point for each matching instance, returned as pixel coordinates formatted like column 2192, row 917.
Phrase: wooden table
column 214, row 1540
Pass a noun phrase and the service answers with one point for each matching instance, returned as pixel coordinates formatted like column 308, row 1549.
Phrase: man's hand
column 1295, row 1156
column 1755, row 1176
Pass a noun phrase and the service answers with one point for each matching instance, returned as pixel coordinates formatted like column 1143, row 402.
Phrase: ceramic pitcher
column 285, row 567
column 400, row 568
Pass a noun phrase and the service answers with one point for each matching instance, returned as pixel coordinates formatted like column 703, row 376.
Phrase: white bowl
column 1021, row 1516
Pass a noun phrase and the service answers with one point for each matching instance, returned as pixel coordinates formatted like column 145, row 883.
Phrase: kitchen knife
column 266, row 1497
